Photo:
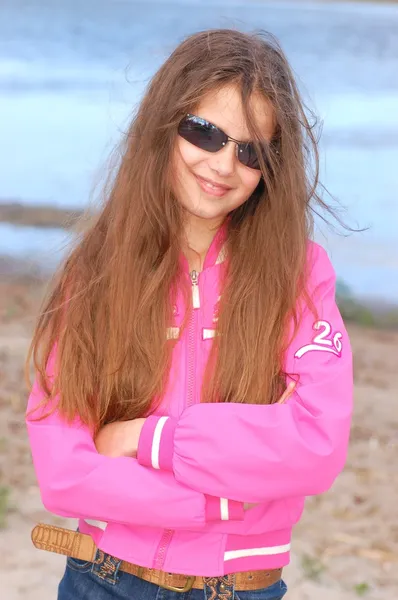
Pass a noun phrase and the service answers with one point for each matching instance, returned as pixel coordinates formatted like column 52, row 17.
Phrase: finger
column 290, row 389
column 284, row 397
column 287, row 393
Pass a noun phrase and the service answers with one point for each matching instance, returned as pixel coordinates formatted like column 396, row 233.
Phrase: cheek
column 186, row 157
column 188, row 154
column 250, row 180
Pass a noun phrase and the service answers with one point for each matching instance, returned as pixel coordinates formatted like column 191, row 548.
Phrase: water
column 71, row 73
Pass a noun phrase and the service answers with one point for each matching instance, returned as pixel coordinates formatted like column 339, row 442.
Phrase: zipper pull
column 194, row 275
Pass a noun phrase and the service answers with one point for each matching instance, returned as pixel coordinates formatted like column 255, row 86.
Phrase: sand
column 346, row 545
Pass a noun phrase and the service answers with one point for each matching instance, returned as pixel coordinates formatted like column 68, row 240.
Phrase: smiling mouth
column 211, row 187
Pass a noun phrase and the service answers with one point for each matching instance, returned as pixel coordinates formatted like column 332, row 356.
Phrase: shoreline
column 15, row 212
column 24, row 274
column 371, row 312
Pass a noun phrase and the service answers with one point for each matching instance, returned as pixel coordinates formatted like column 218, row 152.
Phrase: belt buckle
column 187, row 587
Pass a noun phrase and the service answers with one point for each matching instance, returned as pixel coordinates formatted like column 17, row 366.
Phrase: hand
column 286, row 394
column 119, row 438
column 248, row 506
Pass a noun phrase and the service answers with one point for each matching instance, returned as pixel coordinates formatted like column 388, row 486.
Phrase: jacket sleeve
column 258, row 453
column 76, row 481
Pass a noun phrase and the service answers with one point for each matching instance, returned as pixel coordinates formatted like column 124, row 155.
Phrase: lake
column 71, row 73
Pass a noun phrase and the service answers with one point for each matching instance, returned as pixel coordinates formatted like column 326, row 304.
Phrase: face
column 209, row 185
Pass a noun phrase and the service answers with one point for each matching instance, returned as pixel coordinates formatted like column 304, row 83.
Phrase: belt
column 81, row 546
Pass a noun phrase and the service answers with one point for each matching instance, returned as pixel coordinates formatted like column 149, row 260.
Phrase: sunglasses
column 209, row 137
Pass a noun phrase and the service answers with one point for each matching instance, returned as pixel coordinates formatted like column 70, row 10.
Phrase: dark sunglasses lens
column 248, row 156
column 201, row 133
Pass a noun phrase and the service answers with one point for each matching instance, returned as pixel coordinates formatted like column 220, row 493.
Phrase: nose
column 223, row 161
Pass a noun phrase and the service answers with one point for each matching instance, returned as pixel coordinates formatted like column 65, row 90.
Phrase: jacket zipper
column 192, row 337
column 162, row 549
column 194, row 275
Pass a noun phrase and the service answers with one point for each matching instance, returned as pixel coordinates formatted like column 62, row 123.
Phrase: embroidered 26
column 323, row 342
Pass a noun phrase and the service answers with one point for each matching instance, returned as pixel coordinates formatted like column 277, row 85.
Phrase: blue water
column 71, row 73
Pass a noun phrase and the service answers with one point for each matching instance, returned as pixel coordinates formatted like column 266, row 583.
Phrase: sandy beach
column 345, row 547
column 71, row 75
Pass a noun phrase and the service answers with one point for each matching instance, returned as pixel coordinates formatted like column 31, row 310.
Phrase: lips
column 211, row 187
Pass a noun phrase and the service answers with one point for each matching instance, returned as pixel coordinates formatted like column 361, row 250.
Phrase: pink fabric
column 301, row 445
column 144, row 456
column 166, row 448
column 167, row 445
column 236, row 510
column 213, row 509
column 258, row 562
column 144, row 453
column 285, row 452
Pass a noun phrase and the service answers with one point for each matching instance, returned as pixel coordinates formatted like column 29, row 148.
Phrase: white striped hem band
column 233, row 554
column 230, row 554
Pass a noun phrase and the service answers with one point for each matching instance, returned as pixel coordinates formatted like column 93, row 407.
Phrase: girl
column 163, row 416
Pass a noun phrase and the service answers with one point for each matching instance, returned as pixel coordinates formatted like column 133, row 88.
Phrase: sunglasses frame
column 227, row 139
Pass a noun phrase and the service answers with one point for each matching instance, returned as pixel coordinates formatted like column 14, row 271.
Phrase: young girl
column 194, row 374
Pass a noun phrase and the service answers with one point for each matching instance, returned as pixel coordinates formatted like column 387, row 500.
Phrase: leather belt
column 81, row 546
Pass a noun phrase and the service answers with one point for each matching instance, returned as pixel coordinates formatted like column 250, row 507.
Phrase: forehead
column 223, row 108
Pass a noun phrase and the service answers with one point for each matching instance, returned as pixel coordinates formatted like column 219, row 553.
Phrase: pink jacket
column 179, row 506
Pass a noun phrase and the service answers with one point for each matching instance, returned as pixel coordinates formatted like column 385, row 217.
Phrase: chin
column 209, row 213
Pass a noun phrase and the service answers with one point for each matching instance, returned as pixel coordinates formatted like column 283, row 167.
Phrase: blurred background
column 71, row 73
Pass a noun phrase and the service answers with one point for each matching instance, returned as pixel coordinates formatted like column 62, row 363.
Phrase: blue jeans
column 104, row 581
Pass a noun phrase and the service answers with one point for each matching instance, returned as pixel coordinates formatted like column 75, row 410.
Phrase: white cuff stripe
column 157, row 435
column 271, row 550
column 224, row 509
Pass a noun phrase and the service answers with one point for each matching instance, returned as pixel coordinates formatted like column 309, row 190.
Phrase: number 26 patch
column 325, row 341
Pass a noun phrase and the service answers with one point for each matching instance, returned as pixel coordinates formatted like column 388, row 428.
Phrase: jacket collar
column 216, row 253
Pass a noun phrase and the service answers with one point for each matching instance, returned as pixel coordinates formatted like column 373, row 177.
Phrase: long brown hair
column 111, row 301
